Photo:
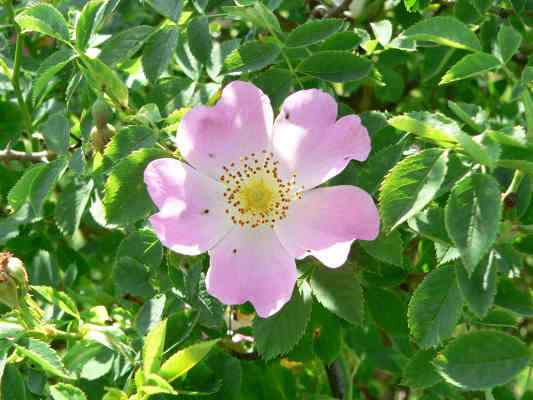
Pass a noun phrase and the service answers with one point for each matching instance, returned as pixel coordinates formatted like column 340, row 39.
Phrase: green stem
column 528, row 107
column 15, row 78
column 515, row 183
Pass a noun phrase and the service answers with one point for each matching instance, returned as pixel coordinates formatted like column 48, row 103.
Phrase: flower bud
column 100, row 136
column 13, row 277
column 101, row 113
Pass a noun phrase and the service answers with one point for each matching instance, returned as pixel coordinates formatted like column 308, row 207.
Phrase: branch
column 335, row 378
column 38, row 156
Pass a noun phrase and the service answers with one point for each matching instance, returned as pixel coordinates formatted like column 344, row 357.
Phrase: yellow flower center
column 255, row 193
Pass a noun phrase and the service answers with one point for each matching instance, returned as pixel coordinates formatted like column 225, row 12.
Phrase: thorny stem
column 15, row 78
column 35, row 157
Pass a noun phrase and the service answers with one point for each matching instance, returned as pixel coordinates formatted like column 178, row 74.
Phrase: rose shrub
column 276, row 199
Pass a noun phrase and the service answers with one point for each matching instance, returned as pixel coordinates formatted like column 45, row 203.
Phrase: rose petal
column 252, row 265
column 311, row 143
column 326, row 220
column 239, row 124
column 192, row 216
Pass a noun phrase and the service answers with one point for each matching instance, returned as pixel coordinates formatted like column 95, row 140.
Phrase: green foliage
column 437, row 307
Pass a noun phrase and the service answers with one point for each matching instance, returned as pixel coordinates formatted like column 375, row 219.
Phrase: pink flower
column 249, row 195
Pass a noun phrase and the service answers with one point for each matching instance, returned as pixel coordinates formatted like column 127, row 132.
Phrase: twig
column 15, row 78
column 38, row 156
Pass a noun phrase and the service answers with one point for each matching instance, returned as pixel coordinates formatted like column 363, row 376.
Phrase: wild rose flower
column 248, row 193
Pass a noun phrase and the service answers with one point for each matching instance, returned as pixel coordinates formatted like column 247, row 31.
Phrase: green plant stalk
column 15, row 79
column 528, row 108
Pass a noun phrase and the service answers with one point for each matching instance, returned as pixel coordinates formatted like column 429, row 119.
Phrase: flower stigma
column 255, row 193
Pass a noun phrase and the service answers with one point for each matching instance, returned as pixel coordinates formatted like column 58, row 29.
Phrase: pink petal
column 192, row 216
column 311, row 143
column 238, row 125
column 252, row 265
column 326, row 220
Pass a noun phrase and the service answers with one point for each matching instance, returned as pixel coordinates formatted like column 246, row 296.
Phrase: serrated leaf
column 444, row 30
column 104, row 79
column 472, row 217
column 258, row 15
column 479, row 289
column 514, row 299
column 125, row 186
column 251, row 56
column 45, row 357
column 158, row 52
column 56, row 131
column 71, row 206
column 281, row 332
column 336, row 66
column 507, row 43
column 339, row 291
column 481, row 360
column 44, row 18
column 387, row 248
column 167, row 8
column 419, row 372
column 435, row 307
column 123, row 45
column 59, row 299
column 20, row 192
column 470, row 66
column 428, row 126
column 51, row 66
column 64, row 391
column 200, row 41
column 388, row 310
column 181, row 362
column 313, row 32
column 90, row 17
column 43, row 183
column 132, row 277
column 411, row 185
column 154, row 343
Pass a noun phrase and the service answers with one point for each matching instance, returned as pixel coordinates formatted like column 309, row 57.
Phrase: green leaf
column 125, row 186
column 472, row 217
column 45, row 357
column 59, row 299
column 435, row 307
column 64, row 391
column 447, row 31
column 104, row 79
column 158, row 52
column 387, row 248
column 419, row 372
column 71, row 206
column 430, row 224
column 44, row 18
column 89, row 360
column 479, row 289
column 44, row 182
column 275, row 83
column 200, row 41
column 388, row 309
column 132, row 277
column 150, row 314
column 125, row 141
column 339, row 291
column 507, row 43
column 181, row 362
column 252, row 56
column 470, row 66
column 13, row 385
column 428, row 126
column 342, row 41
column 167, row 8
column 312, row 32
column 115, row 394
column 51, row 66
column 411, row 185
column 336, row 66
column 258, row 15
column 56, row 131
column 514, row 299
column 481, row 360
column 382, row 31
column 123, row 45
column 153, row 347
column 90, row 17
column 143, row 246
column 20, row 192
column 279, row 333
